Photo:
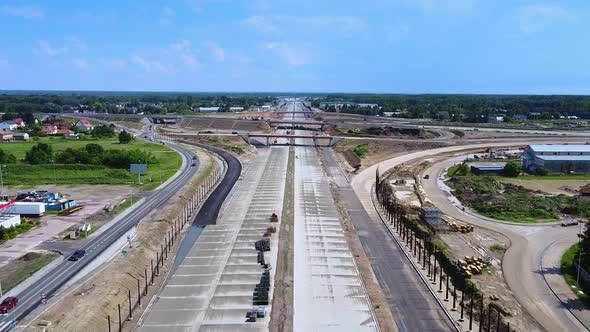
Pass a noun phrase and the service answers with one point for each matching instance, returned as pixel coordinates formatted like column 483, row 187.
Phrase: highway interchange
column 534, row 252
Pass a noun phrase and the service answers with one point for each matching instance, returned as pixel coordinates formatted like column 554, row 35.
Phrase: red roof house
column 19, row 122
column 64, row 132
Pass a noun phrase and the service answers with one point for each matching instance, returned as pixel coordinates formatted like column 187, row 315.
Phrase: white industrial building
column 557, row 158
column 8, row 220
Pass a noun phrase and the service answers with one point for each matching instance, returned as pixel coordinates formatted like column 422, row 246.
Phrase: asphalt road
column 412, row 305
column 208, row 213
column 30, row 298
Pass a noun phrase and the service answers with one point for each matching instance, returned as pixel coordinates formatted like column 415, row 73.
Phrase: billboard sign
column 138, row 168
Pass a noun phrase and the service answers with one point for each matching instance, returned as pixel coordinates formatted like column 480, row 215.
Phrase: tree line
column 466, row 108
column 90, row 154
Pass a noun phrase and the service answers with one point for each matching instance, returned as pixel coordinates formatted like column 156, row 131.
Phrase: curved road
column 30, row 298
column 523, row 260
column 208, row 213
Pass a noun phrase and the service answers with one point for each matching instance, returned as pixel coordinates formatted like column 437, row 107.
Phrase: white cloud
column 183, row 51
column 44, row 48
column 260, row 23
column 33, row 13
column 77, row 43
column 537, row 17
column 80, row 64
column 293, row 56
column 150, row 65
column 215, row 51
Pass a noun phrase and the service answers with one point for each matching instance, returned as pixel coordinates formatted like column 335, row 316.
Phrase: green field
column 22, row 268
column 24, row 175
column 523, row 176
column 509, row 202
column 570, row 274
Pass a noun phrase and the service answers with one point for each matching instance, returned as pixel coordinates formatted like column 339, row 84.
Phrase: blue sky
column 396, row 46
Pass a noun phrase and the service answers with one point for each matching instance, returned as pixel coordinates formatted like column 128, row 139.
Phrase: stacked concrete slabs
column 212, row 290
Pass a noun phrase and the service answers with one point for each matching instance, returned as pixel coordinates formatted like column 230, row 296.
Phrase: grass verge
column 570, row 274
column 25, row 266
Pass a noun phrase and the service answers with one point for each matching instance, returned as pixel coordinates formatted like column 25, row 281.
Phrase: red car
column 7, row 304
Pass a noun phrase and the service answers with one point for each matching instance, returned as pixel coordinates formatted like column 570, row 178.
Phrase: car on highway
column 427, row 176
column 7, row 304
column 234, row 132
column 569, row 223
column 78, row 254
column 193, row 164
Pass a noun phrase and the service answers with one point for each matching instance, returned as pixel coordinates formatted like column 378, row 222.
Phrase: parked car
column 427, row 176
column 7, row 304
column 234, row 132
column 78, row 254
column 569, row 223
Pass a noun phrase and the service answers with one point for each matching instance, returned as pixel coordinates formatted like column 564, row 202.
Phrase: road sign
column 138, row 168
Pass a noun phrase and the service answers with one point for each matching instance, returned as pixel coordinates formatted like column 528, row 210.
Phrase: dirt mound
column 30, row 256
column 394, row 131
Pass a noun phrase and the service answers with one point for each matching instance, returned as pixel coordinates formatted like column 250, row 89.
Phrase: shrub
column 512, row 169
column 361, row 150
column 541, row 171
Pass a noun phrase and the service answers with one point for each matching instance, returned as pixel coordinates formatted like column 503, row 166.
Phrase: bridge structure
column 293, row 123
column 272, row 139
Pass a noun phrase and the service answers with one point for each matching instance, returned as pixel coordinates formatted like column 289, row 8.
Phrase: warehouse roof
column 488, row 166
column 565, row 158
column 559, row 148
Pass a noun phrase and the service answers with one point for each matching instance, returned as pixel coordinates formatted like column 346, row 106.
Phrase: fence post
column 120, row 322
column 109, row 320
column 138, row 294
column 129, row 298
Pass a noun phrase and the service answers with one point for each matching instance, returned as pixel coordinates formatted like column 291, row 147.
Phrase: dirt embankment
column 85, row 307
column 379, row 150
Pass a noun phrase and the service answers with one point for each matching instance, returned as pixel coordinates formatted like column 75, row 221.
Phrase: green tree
column 542, row 171
column 512, row 169
column 125, row 137
column 104, row 131
column 7, row 158
column 40, row 154
column 462, row 170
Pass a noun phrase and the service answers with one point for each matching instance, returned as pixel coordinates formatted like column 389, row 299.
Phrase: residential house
column 63, row 132
column 21, row 136
column 19, row 122
column 8, row 125
column 83, row 124
column 49, row 129
column 63, row 124
column 6, row 135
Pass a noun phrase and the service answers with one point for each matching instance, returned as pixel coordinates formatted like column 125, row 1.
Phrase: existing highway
column 30, row 298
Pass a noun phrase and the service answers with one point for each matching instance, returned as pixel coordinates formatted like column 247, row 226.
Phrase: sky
column 372, row 46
